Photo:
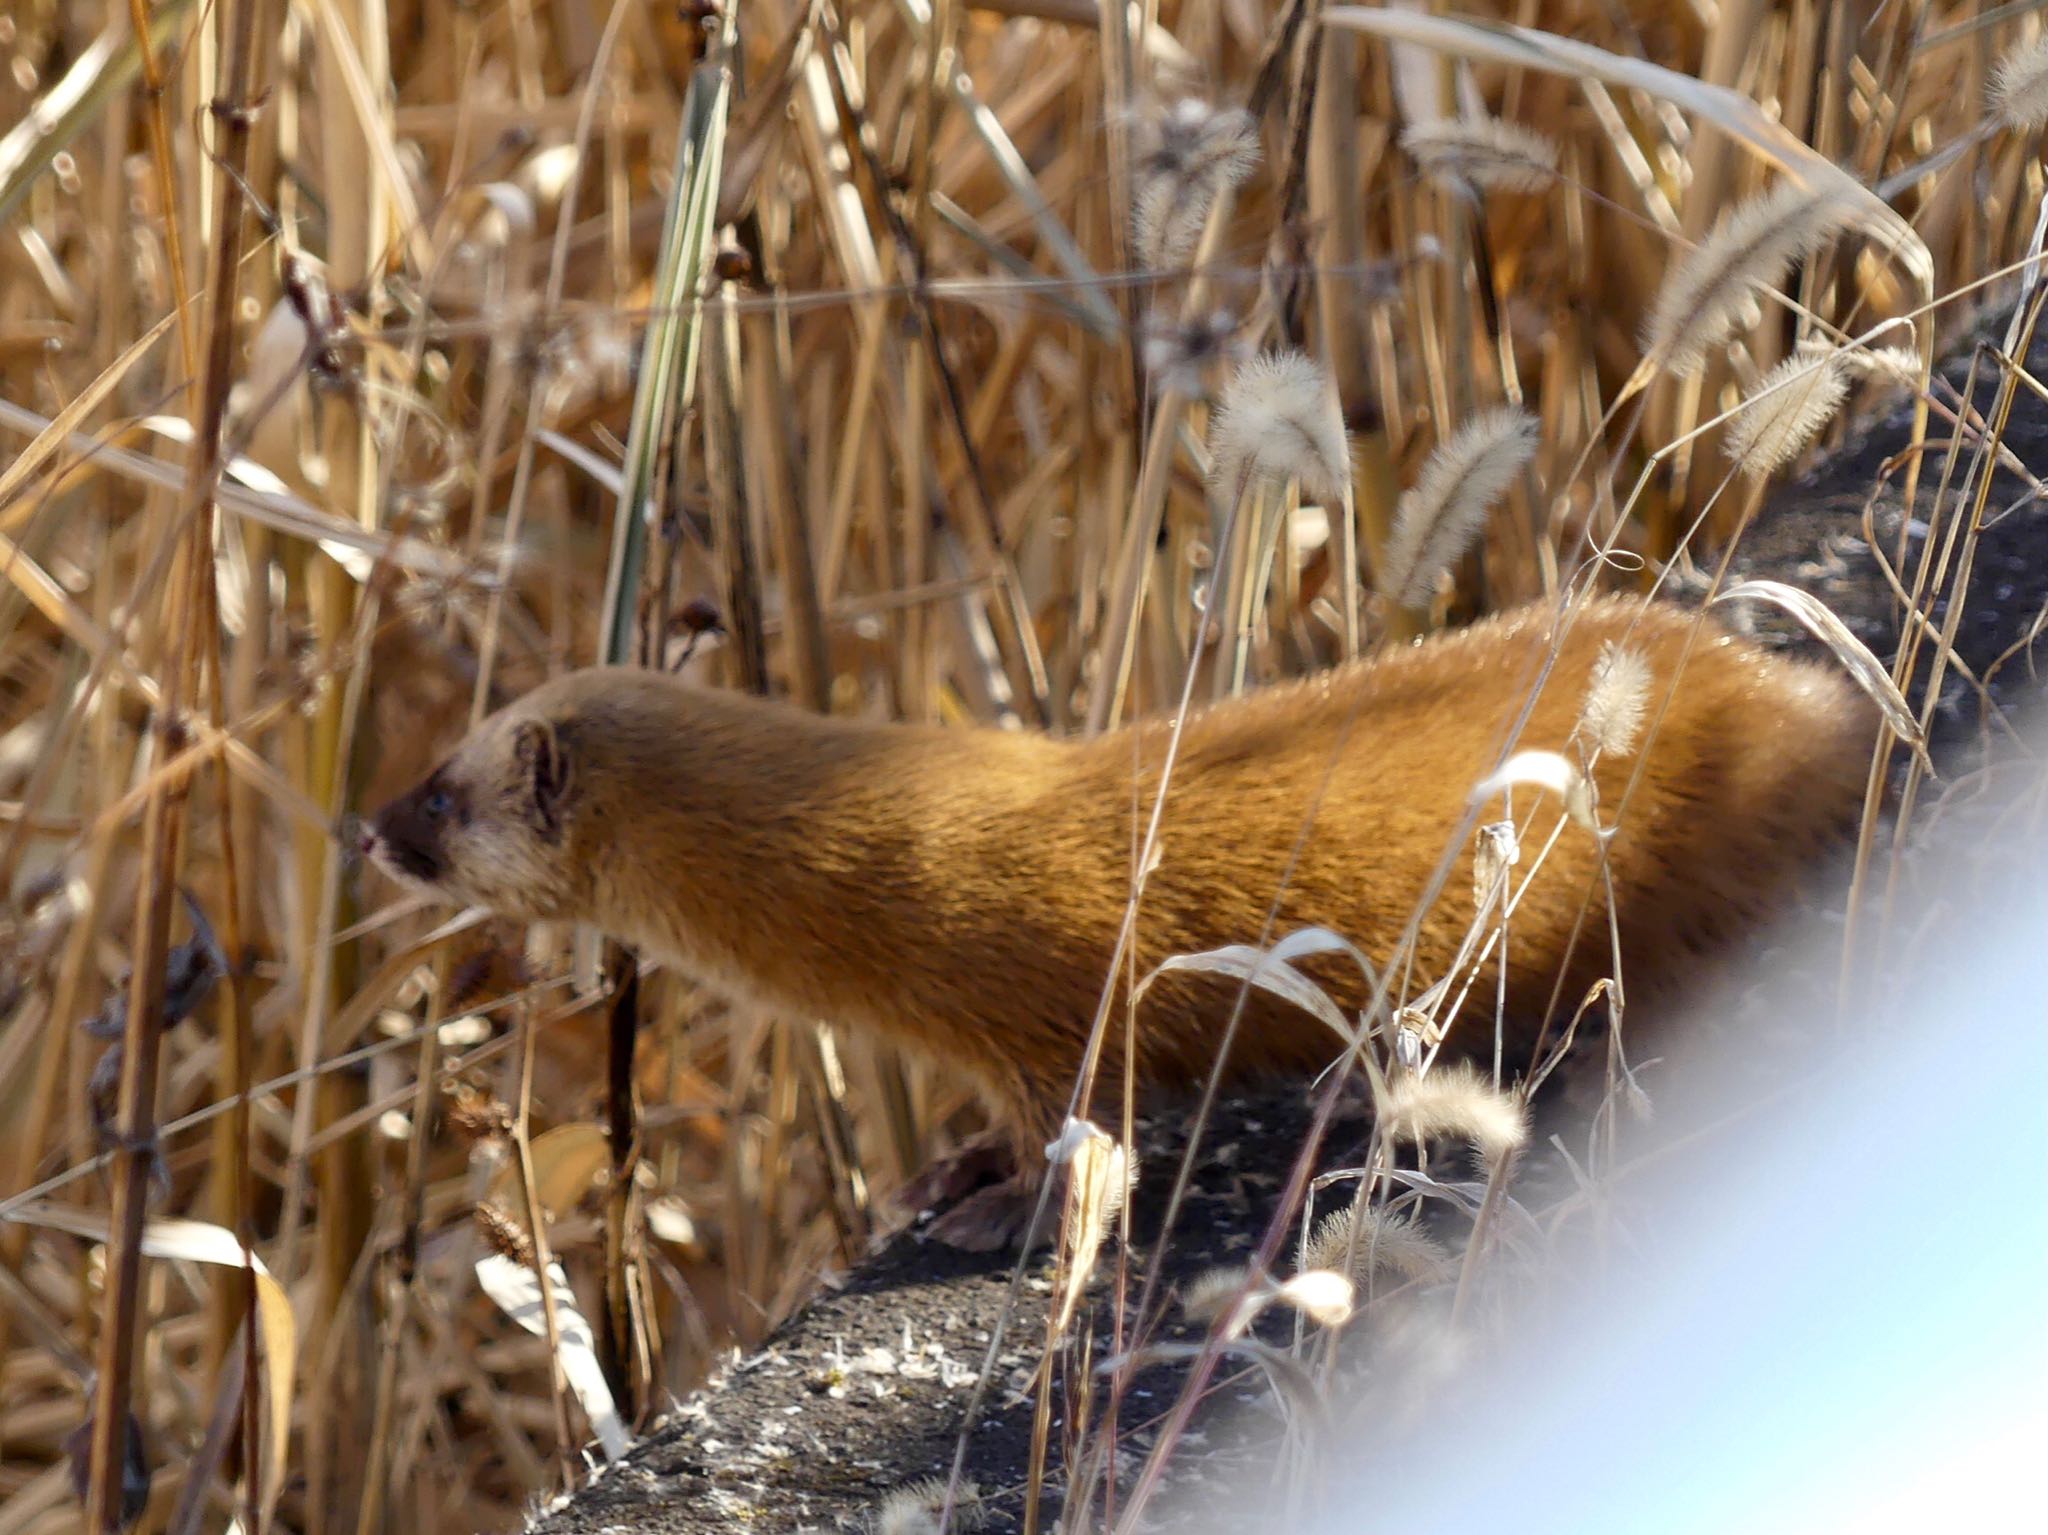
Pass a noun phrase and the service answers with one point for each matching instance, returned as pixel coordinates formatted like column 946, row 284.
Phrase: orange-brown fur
column 959, row 891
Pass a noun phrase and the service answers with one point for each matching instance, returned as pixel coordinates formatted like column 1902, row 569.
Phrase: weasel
column 960, row 891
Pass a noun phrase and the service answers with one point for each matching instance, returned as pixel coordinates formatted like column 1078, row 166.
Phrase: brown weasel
column 960, row 891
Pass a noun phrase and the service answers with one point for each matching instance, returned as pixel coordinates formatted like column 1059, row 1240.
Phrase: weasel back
column 961, row 891
column 1339, row 802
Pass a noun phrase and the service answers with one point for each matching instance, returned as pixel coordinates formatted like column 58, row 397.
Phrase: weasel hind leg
column 994, row 1218
column 982, row 1193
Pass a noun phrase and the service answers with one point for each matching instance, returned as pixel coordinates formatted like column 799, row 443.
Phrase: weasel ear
column 544, row 774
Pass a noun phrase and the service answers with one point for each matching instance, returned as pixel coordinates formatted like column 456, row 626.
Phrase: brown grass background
column 903, row 484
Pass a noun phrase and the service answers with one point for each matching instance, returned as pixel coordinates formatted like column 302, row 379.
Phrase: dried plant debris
column 190, row 972
column 1856, row 658
column 1552, row 772
column 862, row 1392
column 135, row 1470
column 515, row 1285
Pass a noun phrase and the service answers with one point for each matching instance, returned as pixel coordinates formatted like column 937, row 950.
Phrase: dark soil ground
column 1811, row 535
column 865, row 1391
column 869, row 1388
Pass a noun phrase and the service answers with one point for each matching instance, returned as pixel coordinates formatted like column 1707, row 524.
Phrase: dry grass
column 849, row 298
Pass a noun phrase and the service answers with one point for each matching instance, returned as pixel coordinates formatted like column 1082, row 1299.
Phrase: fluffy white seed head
column 1454, row 1100
column 1368, row 1241
column 1438, row 520
column 1205, row 1297
column 1184, row 155
column 1705, row 295
column 1483, row 151
column 2019, row 86
column 1895, row 364
column 1099, row 1179
column 1278, row 420
column 914, row 1508
column 1183, row 354
column 1786, row 410
column 1617, row 697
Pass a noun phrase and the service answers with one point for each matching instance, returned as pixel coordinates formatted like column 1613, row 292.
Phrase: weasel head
column 495, row 824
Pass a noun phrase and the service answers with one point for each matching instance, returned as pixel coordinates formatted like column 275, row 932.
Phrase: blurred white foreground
column 1831, row 1315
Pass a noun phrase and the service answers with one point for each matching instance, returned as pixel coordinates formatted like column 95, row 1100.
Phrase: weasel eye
column 437, row 805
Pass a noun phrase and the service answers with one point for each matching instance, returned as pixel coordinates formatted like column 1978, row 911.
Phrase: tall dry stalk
column 189, row 603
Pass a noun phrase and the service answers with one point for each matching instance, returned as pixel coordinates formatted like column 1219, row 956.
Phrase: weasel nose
column 366, row 840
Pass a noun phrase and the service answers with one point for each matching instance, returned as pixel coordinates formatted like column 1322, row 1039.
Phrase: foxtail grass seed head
column 1617, row 697
column 1183, row 157
column 1440, row 518
column 2019, row 86
column 1205, row 1297
column 1099, row 1179
column 1456, row 1101
column 1705, row 294
column 1183, row 355
column 915, row 1507
column 1485, row 152
column 1785, row 411
column 1366, row 1241
column 479, row 1118
column 1278, row 420
column 1896, row 364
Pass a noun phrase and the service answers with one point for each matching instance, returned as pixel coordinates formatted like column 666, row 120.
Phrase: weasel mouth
column 408, row 859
